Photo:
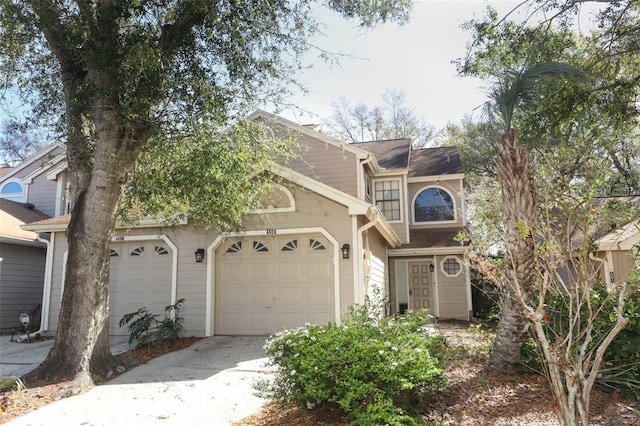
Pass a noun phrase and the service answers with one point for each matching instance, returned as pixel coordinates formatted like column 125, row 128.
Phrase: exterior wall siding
column 312, row 210
column 452, row 293
column 42, row 194
column 22, row 281
column 377, row 275
column 328, row 164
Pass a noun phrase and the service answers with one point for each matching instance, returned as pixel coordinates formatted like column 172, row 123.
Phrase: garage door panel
column 137, row 281
column 319, row 269
column 260, row 270
column 280, row 286
column 319, row 296
column 259, row 295
column 290, row 296
column 232, row 271
column 232, row 296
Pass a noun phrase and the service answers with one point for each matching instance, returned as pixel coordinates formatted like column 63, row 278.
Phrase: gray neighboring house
column 22, row 263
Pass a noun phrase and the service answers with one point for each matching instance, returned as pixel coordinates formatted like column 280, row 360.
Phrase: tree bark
column 520, row 208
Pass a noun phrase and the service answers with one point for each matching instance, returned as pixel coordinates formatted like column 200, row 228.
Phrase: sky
column 416, row 58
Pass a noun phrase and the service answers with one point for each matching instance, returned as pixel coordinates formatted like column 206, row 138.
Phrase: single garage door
column 139, row 276
column 269, row 283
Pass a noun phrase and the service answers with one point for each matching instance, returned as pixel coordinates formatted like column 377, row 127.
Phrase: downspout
column 361, row 230
column 46, row 290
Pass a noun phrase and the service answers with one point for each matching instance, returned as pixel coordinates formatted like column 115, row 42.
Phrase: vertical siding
column 21, row 281
column 452, row 293
column 377, row 274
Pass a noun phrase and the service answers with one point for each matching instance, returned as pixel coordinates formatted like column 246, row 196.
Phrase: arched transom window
column 12, row 190
column 433, row 205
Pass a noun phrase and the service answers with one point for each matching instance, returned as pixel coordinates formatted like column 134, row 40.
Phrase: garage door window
column 235, row 247
column 290, row 246
column 113, row 253
column 160, row 251
column 259, row 247
column 316, row 245
column 137, row 252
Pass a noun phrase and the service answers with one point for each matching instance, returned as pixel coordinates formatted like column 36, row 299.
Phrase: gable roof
column 14, row 214
column 391, row 154
column 35, row 157
column 443, row 160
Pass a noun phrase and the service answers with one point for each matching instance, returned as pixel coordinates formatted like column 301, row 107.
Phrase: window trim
column 413, row 206
column 287, row 192
column 374, row 200
column 444, row 272
column 9, row 196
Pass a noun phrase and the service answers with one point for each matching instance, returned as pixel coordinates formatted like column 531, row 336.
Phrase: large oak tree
column 120, row 74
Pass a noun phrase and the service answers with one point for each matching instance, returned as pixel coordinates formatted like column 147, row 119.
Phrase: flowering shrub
column 374, row 369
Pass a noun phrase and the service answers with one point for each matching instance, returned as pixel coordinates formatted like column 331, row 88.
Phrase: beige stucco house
column 345, row 221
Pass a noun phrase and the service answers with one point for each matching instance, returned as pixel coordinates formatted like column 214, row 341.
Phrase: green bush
column 147, row 329
column 621, row 367
column 375, row 370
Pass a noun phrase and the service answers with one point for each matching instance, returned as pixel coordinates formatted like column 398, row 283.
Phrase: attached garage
column 266, row 283
column 139, row 276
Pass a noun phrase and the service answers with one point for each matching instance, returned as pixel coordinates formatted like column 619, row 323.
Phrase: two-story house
column 344, row 221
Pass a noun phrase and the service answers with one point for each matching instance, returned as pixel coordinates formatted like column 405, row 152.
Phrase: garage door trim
column 211, row 270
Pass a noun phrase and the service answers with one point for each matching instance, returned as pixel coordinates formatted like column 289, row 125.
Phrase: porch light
column 431, row 268
column 346, row 248
column 199, row 255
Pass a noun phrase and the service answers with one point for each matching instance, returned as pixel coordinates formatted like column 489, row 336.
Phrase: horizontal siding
column 21, row 281
column 452, row 294
column 328, row 164
column 42, row 194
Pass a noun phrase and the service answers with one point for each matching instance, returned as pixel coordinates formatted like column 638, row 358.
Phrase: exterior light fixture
column 431, row 267
column 346, row 248
column 199, row 255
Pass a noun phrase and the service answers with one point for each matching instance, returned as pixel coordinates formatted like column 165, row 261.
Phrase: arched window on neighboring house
column 13, row 190
column 433, row 205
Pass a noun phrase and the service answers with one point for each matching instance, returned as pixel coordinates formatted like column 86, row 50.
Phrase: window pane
column 387, row 195
column 12, row 188
column 432, row 205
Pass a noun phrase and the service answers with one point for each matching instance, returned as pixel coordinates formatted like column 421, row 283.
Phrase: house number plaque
column 271, row 232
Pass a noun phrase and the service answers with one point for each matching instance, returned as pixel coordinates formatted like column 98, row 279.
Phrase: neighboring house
column 617, row 250
column 22, row 263
column 344, row 221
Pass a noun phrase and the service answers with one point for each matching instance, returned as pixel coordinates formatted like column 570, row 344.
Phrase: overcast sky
column 416, row 58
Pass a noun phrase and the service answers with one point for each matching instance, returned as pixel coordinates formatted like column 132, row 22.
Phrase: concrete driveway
column 209, row 383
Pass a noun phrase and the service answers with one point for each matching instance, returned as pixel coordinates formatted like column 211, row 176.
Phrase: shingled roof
column 443, row 160
column 13, row 214
column 391, row 154
column 439, row 237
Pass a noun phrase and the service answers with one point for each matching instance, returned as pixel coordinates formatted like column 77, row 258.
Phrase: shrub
column 146, row 329
column 375, row 370
column 620, row 370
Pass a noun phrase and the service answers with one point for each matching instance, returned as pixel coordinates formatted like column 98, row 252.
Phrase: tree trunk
column 81, row 351
column 520, row 208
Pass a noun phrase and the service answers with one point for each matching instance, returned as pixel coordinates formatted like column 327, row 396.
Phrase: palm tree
column 515, row 175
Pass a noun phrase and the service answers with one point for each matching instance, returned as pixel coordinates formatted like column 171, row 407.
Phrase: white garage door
column 139, row 276
column 269, row 283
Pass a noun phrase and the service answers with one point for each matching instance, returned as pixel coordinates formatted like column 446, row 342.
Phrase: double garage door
column 139, row 276
column 268, row 283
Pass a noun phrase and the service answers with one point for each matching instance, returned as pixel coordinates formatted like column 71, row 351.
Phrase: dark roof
column 440, row 237
column 443, row 160
column 391, row 154
column 13, row 214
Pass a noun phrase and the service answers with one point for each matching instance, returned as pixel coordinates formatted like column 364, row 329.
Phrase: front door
column 420, row 288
